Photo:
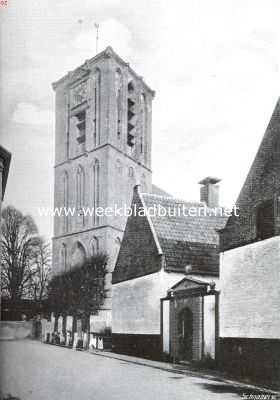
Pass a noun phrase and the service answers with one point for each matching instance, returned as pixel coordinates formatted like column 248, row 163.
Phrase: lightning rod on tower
column 96, row 27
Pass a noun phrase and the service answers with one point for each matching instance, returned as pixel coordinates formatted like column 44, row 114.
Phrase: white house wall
column 209, row 326
column 250, row 291
column 136, row 303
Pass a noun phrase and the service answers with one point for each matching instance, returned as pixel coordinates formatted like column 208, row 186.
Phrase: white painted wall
column 166, row 326
column 136, row 303
column 250, row 291
column 209, row 325
column 100, row 321
column 69, row 323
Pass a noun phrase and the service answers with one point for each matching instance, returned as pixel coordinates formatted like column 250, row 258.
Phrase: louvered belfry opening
column 131, row 115
column 81, row 125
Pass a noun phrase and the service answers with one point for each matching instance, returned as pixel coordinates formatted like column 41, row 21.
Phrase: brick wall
column 195, row 305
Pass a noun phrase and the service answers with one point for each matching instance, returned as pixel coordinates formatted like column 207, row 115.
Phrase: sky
column 215, row 67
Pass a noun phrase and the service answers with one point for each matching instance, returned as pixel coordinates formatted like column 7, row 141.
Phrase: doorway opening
column 185, row 334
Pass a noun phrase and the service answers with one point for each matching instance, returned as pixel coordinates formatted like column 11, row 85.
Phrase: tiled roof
column 186, row 240
column 160, row 192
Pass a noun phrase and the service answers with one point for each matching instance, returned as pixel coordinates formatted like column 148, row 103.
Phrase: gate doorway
column 185, row 334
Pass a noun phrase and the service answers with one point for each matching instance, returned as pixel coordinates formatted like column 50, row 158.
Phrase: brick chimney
column 209, row 192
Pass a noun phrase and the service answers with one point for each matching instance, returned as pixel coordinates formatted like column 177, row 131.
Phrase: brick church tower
column 102, row 149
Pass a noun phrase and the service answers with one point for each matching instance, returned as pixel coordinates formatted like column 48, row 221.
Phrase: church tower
column 102, row 149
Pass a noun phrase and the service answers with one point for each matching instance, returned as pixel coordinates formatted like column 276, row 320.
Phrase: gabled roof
column 151, row 241
column 262, row 183
column 193, row 229
column 160, row 192
column 186, row 240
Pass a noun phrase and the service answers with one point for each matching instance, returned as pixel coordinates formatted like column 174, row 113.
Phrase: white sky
column 214, row 66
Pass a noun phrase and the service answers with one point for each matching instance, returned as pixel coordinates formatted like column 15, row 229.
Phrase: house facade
column 165, row 278
column 250, row 273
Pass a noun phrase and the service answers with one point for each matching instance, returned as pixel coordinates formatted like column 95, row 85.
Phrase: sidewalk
column 184, row 369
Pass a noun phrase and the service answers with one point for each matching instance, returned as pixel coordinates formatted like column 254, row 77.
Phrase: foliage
column 38, row 284
column 208, row 362
column 25, row 258
column 80, row 290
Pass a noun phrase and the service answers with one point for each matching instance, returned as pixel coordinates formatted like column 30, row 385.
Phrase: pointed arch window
column 143, row 123
column 96, row 190
column 63, row 257
column 117, row 246
column 119, row 167
column 143, row 184
column 131, row 172
column 80, row 190
column 94, row 246
column 65, row 199
column 96, row 120
column 118, row 88
column 78, row 255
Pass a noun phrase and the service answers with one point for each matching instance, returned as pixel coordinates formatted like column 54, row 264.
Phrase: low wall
column 254, row 359
column 15, row 330
column 146, row 346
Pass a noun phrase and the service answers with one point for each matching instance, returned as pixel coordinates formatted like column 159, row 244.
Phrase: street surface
column 34, row 371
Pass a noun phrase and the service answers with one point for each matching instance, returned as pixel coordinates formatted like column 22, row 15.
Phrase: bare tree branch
column 25, row 257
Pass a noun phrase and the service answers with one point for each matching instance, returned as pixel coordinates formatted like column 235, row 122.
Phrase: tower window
column 265, row 220
column 94, row 246
column 131, row 172
column 118, row 87
column 81, row 127
column 79, row 94
column 65, row 199
column 142, row 122
column 131, row 119
column 96, row 190
column 96, row 120
column 63, row 258
column 80, row 182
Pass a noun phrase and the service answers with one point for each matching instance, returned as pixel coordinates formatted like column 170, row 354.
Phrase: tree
column 24, row 256
column 38, row 284
column 80, row 290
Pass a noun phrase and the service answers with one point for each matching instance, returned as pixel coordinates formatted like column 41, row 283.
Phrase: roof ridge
column 175, row 199
column 180, row 200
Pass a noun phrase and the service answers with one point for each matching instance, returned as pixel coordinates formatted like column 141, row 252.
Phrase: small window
column 265, row 220
column 81, row 127
column 131, row 172
column 119, row 166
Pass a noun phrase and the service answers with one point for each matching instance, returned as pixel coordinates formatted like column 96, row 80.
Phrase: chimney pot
column 209, row 192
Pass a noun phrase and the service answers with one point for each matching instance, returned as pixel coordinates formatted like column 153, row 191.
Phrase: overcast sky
column 214, row 66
